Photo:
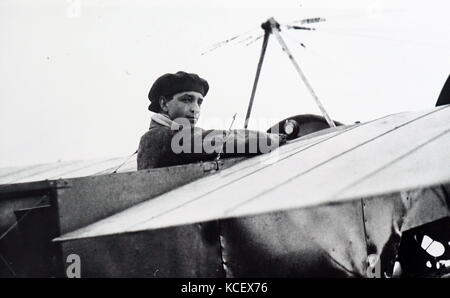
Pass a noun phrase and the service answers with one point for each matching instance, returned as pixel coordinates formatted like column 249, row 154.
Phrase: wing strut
column 267, row 30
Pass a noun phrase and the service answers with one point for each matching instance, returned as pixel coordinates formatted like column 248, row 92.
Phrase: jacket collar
column 164, row 120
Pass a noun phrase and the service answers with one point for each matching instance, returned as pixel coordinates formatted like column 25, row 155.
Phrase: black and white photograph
column 225, row 144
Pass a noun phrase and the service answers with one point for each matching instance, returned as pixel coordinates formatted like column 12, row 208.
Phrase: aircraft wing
column 398, row 152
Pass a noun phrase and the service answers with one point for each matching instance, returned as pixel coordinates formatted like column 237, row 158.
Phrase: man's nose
column 195, row 108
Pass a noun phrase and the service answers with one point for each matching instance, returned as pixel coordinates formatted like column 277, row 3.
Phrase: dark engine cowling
column 297, row 126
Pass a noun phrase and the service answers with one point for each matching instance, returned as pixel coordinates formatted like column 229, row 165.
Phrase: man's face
column 184, row 105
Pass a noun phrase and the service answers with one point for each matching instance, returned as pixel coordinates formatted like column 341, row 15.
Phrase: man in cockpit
column 174, row 139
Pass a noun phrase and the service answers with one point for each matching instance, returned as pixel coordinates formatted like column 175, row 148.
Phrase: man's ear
column 163, row 104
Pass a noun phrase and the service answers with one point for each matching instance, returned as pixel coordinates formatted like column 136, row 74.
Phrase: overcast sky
column 75, row 74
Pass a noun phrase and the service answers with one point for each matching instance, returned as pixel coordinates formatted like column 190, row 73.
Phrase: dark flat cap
column 170, row 84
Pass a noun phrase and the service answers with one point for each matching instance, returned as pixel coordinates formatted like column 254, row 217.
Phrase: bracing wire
column 121, row 165
column 236, row 39
column 337, row 17
column 254, row 40
column 309, row 21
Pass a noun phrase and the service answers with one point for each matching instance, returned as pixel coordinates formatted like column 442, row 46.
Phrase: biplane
column 338, row 200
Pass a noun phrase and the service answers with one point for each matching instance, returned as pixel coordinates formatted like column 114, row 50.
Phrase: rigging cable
column 129, row 157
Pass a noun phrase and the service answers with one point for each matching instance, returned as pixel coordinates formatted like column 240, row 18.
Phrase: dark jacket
column 155, row 147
